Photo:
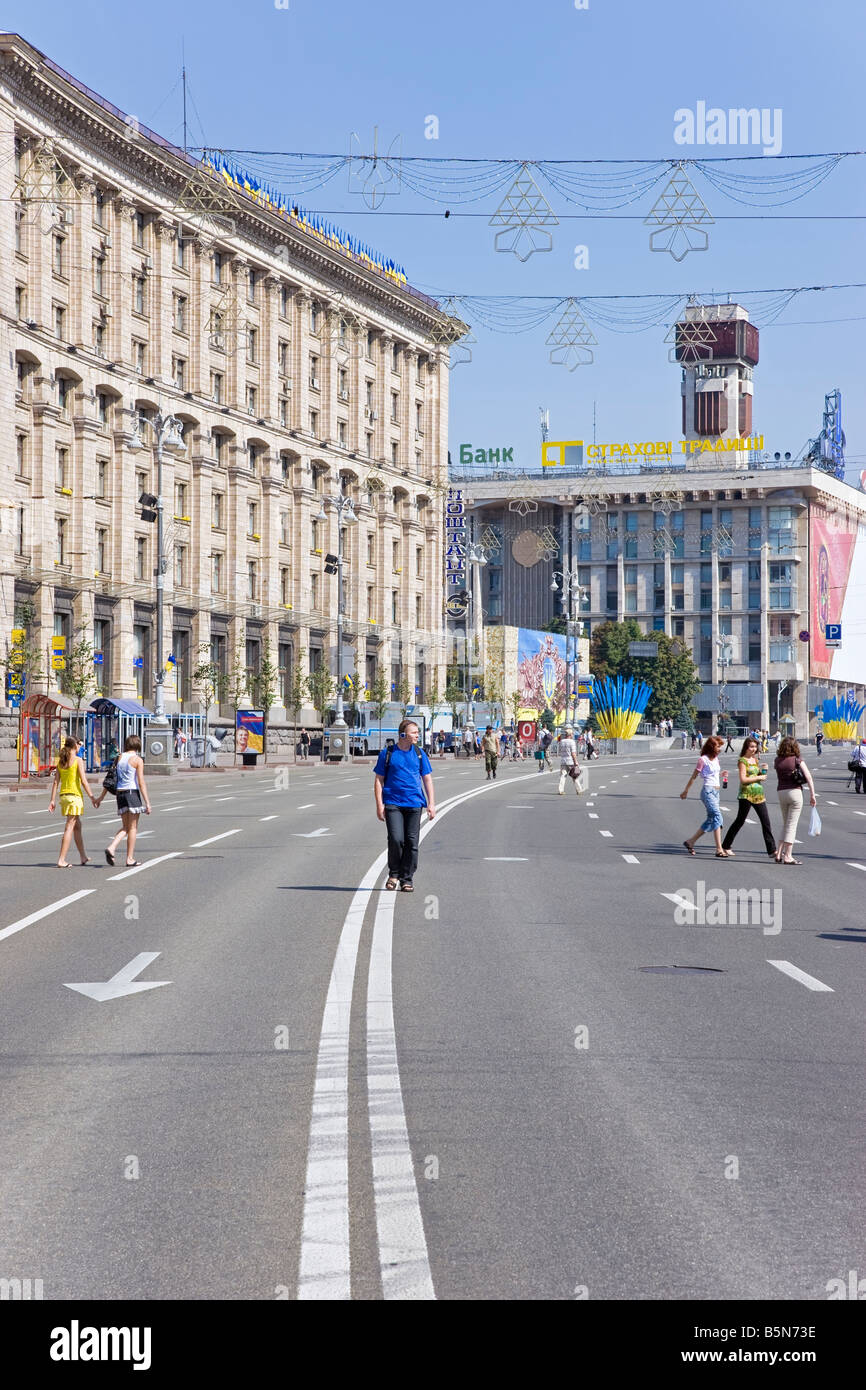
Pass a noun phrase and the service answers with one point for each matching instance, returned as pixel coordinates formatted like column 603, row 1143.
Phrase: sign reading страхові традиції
column 553, row 452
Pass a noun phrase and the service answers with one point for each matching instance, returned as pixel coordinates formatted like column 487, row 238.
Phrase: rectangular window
column 138, row 294
column 371, row 602
column 284, row 528
column 62, row 468
column 395, row 453
column 216, row 573
column 180, row 252
column 220, row 449
column 252, row 400
column 726, row 531
column 59, row 255
column 101, row 550
column 180, row 499
column 706, row 600
column 140, row 569
column 179, row 373
column 99, row 275
column 706, row 647
column 314, row 423
column 99, row 207
column 284, row 413
column 395, row 598
column 341, row 433
column 754, row 596
column 369, row 446
column 252, row 579
column 252, row 518
column 217, row 500
column 180, row 305
column 59, row 321
column 102, row 477
column 138, row 229
column 395, row 358
column 314, row 601
column 395, row 555
column 217, row 267
column 631, row 535
column 314, row 317
column 252, row 281
column 180, row 566
column 138, row 357
column 285, row 586
column 283, row 356
column 60, row 541
column 252, row 345
column 418, row 611
column 216, row 387
column 706, row 532
column 371, row 338
column 419, row 561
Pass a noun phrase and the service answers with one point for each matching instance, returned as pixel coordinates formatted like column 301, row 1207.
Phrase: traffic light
column 147, row 502
column 331, row 562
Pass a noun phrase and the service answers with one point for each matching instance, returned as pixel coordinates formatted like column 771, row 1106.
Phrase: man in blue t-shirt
column 403, row 787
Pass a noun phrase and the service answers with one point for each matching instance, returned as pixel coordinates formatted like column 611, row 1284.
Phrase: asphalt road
column 487, row 1090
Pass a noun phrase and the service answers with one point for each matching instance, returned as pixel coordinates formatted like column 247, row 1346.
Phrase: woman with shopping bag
column 569, row 767
column 793, row 775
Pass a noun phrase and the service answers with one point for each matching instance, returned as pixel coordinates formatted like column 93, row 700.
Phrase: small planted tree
column 297, row 693
column 321, row 685
column 264, row 687
column 378, row 693
column 515, row 705
column 78, row 680
column 404, row 694
column 207, row 682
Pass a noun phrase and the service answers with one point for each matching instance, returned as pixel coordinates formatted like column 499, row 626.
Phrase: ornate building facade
column 135, row 283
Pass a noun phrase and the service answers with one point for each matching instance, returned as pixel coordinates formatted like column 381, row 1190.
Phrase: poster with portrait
column 250, row 731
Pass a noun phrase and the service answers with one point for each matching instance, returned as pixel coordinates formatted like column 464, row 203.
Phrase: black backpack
column 109, row 781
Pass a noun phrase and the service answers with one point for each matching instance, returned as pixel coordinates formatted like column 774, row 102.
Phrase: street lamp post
column 567, row 582
column 168, row 433
column 726, row 656
column 345, row 509
column 783, row 685
column 476, row 557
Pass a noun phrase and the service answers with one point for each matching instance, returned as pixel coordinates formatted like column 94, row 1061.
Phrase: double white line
column 325, row 1266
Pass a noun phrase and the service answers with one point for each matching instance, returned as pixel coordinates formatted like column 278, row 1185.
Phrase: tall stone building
column 136, row 282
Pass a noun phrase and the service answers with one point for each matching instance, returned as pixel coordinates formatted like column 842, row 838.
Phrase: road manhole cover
column 680, row 970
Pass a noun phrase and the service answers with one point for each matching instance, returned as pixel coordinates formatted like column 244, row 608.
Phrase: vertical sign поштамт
column 455, row 539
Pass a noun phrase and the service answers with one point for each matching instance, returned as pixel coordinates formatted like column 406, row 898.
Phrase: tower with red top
column 717, row 348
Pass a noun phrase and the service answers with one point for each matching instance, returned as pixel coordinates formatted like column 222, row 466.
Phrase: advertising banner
column 250, row 731
column 541, row 669
column 837, row 582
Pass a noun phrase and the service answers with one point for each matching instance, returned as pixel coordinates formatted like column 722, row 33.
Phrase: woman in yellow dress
column 70, row 775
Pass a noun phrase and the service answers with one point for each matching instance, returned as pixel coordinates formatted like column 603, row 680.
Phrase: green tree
column 672, row 675
column 207, row 682
column 78, row 678
column 404, row 695
column 295, row 697
column 264, row 686
column 321, row 685
column 548, row 719
column 236, row 681
column 558, row 624
column 379, row 694
column 515, row 704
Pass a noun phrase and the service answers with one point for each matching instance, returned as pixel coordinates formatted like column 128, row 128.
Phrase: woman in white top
column 708, row 770
column 132, row 799
column 567, row 760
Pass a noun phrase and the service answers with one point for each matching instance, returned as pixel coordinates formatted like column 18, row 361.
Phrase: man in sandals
column 403, row 786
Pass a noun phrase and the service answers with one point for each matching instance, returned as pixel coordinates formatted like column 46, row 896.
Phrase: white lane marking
column 308, row 806
column 44, row 912
column 679, row 901
column 625, row 774
column 176, row 793
column 44, row 812
column 199, row 844
column 603, row 787
column 608, row 834
column 860, row 813
column 351, row 779
column 178, row 806
column 796, row 974
column 218, row 785
column 325, row 1267
column 223, row 798
column 148, row 864
column 520, row 808
column 614, row 781
column 311, row 834
column 856, row 866
column 261, row 818
column 829, row 803
column 631, row 859
column 593, row 815
column 343, row 797
column 32, row 840
column 589, row 805
column 124, row 982
column 505, row 859
column 403, row 1257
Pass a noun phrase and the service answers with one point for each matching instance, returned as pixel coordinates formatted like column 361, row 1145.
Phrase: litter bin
column 196, row 752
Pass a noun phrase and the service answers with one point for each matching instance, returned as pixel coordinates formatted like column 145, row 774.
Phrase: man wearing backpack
column 403, row 786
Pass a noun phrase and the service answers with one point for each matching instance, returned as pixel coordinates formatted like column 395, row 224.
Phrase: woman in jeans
column 708, row 770
column 791, row 795
column 751, row 796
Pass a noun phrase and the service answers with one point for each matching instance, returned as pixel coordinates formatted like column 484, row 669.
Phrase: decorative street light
column 567, row 582
column 725, row 644
column 345, row 509
column 168, row 434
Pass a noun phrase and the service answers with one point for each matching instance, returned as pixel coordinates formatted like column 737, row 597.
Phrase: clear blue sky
column 540, row 80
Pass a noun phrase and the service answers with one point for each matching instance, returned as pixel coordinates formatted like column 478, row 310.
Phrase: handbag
column 109, row 781
column 798, row 776
column 574, row 772
column 852, row 766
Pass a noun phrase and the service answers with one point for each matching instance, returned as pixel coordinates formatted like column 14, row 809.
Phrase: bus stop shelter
column 41, row 732
column 108, row 723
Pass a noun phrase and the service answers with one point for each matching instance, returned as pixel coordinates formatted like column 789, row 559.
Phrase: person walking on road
column 751, row 797
column 819, row 742
column 304, row 742
column 403, row 786
column 793, row 775
column 468, row 741
column 857, row 765
column 71, row 778
column 132, row 799
column 546, row 741
column 569, row 767
column 490, row 748
column 707, row 769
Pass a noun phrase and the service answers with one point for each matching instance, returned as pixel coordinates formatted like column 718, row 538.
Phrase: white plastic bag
column 814, row 822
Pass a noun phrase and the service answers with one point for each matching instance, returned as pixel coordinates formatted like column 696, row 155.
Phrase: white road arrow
column 312, row 834
column 124, row 982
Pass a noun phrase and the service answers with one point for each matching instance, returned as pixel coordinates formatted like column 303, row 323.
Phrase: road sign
column 58, row 662
column 650, row 649
column 527, row 730
column 97, row 658
column 584, row 687
column 18, row 635
column 138, row 662
column 833, row 635
column 58, row 644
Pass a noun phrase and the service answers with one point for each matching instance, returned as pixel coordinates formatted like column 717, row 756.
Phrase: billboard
column 837, row 584
column 249, row 731
column 541, row 669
